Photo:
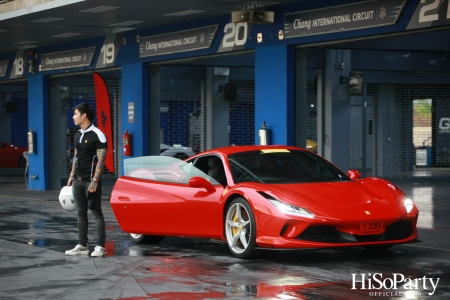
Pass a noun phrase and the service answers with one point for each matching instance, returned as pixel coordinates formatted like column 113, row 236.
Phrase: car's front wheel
column 146, row 239
column 240, row 229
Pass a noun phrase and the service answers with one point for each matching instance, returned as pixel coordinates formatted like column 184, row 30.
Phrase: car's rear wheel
column 146, row 239
column 240, row 229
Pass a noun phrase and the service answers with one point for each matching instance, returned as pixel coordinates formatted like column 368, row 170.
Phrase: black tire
column 146, row 239
column 240, row 220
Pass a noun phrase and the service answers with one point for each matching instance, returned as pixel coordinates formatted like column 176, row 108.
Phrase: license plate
column 367, row 228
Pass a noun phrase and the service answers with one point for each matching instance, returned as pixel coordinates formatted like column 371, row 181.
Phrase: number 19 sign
column 109, row 51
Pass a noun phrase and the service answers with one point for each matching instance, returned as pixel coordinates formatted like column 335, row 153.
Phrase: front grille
column 324, row 234
column 399, row 230
column 328, row 234
column 368, row 238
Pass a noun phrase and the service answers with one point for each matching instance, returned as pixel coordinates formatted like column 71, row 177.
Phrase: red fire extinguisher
column 127, row 143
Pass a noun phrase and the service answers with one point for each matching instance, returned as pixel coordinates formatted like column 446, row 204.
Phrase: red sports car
column 12, row 156
column 273, row 197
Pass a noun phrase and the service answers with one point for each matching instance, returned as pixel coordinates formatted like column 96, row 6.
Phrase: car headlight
column 287, row 208
column 408, row 205
column 290, row 209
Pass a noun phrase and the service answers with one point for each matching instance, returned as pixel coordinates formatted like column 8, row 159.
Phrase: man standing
column 85, row 178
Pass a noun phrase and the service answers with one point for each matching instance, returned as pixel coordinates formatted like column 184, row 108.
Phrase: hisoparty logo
column 396, row 285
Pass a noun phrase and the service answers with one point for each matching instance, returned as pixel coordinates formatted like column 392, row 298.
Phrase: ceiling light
column 98, row 9
column 125, row 24
column 184, row 13
column 47, row 20
column 66, row 35
column 27, row 46
column 251, row 16
column 26, row 42
column 120, row 29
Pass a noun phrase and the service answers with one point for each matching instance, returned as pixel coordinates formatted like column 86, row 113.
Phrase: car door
column 158, row 200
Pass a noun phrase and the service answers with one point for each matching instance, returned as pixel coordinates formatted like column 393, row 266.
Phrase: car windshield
column 282, row 166
column 163, row 168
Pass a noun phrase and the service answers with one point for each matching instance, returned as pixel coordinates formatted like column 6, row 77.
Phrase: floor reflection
column 433, row 203
column 422, row 197
column 34, row 235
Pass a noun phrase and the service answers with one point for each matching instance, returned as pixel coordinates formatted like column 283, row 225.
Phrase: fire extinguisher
column 127, row 143
column 264, row 135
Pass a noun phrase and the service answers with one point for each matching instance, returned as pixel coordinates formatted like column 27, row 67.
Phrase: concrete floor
column 35, row 232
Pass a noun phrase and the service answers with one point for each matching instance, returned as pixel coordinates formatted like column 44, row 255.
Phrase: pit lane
column 35, row 232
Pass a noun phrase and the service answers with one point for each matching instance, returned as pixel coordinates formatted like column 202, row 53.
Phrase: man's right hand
column 70, row 181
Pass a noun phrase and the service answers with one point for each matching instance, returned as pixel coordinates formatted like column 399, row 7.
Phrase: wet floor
column 35, row 232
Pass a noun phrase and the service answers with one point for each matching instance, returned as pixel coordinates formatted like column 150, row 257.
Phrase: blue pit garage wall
column 274, row 68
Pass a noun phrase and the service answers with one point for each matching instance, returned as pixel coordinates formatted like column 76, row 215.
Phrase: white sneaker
column 99, row 251
column 78, row 250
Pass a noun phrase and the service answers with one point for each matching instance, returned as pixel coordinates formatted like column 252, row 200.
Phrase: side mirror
column 353, row 174
column 200, row 182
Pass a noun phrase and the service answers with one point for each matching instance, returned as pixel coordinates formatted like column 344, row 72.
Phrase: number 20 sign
column 235, row 36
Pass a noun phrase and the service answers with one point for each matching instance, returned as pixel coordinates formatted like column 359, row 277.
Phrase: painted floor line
column 19, row 197
column 426, row 247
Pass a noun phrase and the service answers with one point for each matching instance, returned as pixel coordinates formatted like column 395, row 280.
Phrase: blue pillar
column 38, row 119
column 135, row 89
column 275, row 92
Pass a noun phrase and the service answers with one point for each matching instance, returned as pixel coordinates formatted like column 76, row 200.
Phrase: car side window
column 163, row 169
column 213, row 166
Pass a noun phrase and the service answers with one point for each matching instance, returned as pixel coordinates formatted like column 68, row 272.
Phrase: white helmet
column 66, row 199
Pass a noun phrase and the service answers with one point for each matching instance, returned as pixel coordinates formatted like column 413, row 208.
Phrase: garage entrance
column 206, row 103
column 402, row 130
column 65, row 93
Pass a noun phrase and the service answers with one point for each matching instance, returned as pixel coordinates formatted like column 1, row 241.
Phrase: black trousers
column 86, row 200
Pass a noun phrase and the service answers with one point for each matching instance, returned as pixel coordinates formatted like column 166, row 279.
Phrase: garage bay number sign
column 342, row 18
column 180, row 41
column 430, row 13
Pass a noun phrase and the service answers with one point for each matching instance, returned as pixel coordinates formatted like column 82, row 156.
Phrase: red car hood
column 360, row 194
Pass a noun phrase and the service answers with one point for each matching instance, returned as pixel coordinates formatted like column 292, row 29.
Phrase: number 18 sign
column 18, row 65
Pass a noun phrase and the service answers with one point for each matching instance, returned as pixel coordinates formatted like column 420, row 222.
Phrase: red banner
column 104, row 118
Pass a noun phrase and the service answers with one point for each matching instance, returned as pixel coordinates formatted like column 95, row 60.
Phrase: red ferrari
column 272, row 197
column 12, row 156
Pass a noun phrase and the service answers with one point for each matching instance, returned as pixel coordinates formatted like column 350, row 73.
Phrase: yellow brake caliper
column 235, row 219
column 235, row 229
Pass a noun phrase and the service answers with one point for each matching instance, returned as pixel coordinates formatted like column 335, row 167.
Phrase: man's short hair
column 85, row 108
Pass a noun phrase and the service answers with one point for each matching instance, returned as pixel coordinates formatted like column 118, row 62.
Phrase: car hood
column 359, row 194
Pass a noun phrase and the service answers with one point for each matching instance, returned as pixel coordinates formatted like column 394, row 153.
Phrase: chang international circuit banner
column 342, row 18
column 67, row 59
column 180, row 41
